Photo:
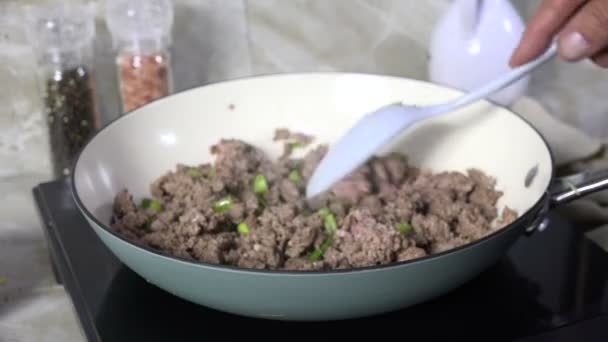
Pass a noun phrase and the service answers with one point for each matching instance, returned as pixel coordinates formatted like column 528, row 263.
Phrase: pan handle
column 567, row 189
column 570, row 188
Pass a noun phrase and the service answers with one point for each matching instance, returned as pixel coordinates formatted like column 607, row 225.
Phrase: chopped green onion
column 222, row 205
column 330, row 224
column 296, row 144
column 329, row 220
column 150, row 203
column 148, row 226
column 156, row 206
column 295, row 176
column 324, row 212
column 397, row 155
column 319, row 252
column 315, row 255
column 243, row 228
column 262, row 201
column 194, row 172
column 145, row 203
column 404, row 227
column 260, row 185
column 211, row 173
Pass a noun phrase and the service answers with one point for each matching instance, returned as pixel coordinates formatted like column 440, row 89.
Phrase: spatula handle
column 501, row 82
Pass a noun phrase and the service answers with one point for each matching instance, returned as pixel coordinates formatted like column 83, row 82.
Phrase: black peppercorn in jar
column 62, row 36
column 69, row 105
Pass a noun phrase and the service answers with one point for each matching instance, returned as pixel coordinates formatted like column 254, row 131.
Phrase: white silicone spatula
column 377, row 128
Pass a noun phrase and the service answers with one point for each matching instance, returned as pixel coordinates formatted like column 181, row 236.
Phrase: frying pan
column 135, row 149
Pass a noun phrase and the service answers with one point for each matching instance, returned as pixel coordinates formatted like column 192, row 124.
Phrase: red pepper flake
column 143, row 78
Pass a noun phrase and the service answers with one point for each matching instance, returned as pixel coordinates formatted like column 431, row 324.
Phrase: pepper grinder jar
column 62, row 36
column 141, row 36
column 472, row 43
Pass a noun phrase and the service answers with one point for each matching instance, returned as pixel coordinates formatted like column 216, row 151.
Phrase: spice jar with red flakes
column 141, row 34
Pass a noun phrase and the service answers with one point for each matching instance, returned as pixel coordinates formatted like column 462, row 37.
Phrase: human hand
column 581, row 27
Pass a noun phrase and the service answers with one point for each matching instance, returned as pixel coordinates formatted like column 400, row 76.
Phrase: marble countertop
column 240, row 38
column 32, row 306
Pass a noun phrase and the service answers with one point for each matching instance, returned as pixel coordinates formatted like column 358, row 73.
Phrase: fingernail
column 574, row 46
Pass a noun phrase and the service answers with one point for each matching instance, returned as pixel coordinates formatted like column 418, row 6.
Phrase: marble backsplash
column 216, row 40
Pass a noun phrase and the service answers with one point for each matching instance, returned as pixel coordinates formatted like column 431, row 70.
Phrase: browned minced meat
column 386, row 211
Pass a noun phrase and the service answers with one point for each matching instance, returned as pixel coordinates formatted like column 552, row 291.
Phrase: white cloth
column 575, row 152
column 567, row 143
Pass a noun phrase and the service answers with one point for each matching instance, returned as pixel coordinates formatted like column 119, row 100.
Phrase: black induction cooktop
column 552, row 286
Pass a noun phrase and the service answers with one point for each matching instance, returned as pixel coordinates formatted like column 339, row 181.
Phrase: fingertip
column 524, row 53
column 521, row 53
column 585, row 34
column 515, row 59
column 543, row 26
column 573, row 46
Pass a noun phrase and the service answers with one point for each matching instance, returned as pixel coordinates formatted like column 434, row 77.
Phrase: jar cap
column 138, row 22
column 60, row 26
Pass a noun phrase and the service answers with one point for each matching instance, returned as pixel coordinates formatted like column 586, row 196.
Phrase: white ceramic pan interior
column 140, row 147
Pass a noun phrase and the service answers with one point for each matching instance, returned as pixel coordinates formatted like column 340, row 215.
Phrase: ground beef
column 249, row 211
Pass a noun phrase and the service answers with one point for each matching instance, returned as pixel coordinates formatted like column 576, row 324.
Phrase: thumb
column 586, row 33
